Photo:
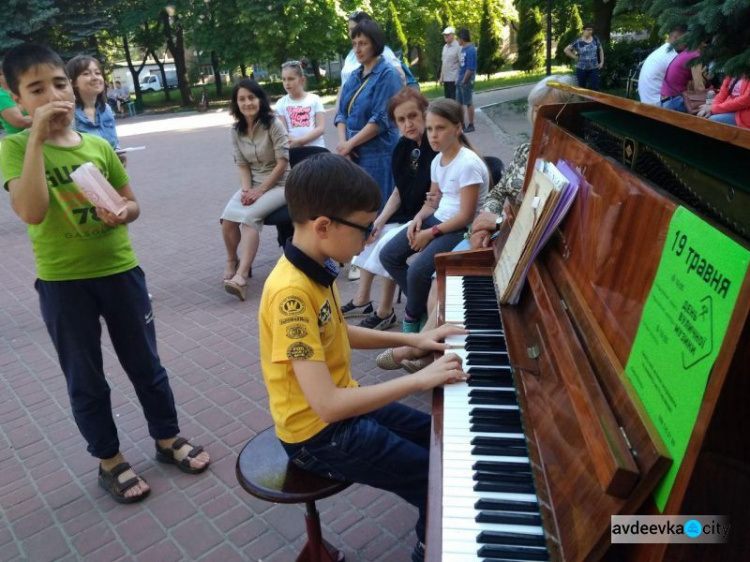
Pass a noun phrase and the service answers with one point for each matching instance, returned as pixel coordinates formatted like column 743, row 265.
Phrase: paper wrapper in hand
column 97, row 189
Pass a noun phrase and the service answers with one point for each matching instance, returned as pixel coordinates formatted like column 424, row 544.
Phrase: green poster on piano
column 682, row 329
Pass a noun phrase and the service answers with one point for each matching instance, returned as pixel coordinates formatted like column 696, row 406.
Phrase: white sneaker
column 353, row 273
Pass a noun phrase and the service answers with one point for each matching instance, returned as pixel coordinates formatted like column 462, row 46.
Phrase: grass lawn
column 155, row 102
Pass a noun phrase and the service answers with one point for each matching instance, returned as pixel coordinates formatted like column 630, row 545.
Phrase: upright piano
column 552, row 438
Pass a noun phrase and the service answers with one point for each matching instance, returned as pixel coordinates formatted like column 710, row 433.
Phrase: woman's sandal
column 108, row 480
column 386, row 361
column 233, row 288
column 230, row 271
column 166, row 455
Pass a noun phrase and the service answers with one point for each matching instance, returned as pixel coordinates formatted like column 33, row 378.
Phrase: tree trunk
column 217, row 72
column 162, row 72
column 133, row 72
column 316, row 69
column 243, row 69
column 176, row 46
column 603, row 18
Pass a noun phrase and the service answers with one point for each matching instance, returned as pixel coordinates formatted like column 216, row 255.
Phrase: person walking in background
column 261, row 154
column 589, row 56
column 466, row 73
column 302, row 113
column 451, row 60
column 87, row 270
column 93, row 114
column 12, row 118
column 655, row 67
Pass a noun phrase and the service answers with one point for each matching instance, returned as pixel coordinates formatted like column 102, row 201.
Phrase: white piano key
column 458, row 525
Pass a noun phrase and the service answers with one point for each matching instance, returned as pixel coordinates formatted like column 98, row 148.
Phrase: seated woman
column 731, row 105
column 678, row 76
column 261, row 153
column 410, row 165
column 462, row 178
column 486, row 222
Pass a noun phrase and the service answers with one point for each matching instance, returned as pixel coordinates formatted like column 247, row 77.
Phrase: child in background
column 326, row 422
column 460, row 175
column 302, row 113
column 93, row 113
column 87, row 270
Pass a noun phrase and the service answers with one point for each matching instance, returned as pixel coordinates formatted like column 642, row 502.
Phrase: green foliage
column 619, row 58
column 723, row 24
column 394, row 31
column 530, row 41
column 572, row 30
column 489, row 58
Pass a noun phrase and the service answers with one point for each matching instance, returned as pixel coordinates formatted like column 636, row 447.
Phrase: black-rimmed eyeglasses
column 414, row 163
column 366, row 229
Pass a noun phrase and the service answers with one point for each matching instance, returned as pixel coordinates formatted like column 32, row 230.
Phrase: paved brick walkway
column 50, row 505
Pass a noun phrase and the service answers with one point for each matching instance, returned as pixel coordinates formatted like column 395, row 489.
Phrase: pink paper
column 97, row 189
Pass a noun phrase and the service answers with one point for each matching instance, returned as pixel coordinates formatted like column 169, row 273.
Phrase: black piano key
column 498, row 441
column 488, row 398
column 513, row 552
column 507, row 476
column 500, row 466
column 507, row 518
column 487, row 347
column 494, row 383
column 507, row 505
column 504, row 487
column 499, row 451
column 518, row 539
column 491, row 413
column 489, row 370
column 480, row 324
column 505, row 417
column 496, row 428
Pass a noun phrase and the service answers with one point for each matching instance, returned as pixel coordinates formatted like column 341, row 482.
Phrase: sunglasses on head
column 289, row 63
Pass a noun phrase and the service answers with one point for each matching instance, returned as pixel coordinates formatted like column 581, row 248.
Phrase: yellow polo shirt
column 300, row 319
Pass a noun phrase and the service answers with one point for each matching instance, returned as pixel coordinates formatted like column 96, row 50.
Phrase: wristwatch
column 498, row 222
column 435, row 231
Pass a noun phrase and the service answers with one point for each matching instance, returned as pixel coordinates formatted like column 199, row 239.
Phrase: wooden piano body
column 594, row 450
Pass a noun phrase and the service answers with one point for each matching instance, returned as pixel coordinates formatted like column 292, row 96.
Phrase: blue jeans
column 415, row 279
column 386, row 449
column 675, row 103
column 590, row 76
column 71, row 310
column 726, row 118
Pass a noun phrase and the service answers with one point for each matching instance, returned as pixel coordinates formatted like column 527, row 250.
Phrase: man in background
column 451, row 60
column 655, row 66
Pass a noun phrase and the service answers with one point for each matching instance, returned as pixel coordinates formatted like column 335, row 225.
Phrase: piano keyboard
column 490, row 507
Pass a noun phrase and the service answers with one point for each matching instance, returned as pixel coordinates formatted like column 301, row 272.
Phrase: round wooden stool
column 263, row 470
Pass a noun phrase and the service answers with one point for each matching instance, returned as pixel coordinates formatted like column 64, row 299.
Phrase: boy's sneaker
column 375, row 322
column 469, row 128
column 410, row 327
column 417, row 555
column 351, row 310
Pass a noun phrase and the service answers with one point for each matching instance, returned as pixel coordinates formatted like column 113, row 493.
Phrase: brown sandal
column 166, row 455
column 108, row 479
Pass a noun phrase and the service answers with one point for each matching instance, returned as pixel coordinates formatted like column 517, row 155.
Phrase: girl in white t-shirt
column 460, row 182
column 302, row 113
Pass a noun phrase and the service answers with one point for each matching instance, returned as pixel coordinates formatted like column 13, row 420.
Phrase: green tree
column 530, row 41
column 572, row 30
column 723, row 25
column 394, row 31
column 26, row 20
column 489, row 57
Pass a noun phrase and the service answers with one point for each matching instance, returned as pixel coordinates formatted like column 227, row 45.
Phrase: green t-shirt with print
column 72, row 242
column 6, row 102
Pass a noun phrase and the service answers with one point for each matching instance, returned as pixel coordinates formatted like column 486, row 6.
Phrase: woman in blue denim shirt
column 93, row 113
column 366, row 134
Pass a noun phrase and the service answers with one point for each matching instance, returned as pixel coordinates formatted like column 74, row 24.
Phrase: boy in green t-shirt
column 87, row 270
column 326, row 422
column 12, row 119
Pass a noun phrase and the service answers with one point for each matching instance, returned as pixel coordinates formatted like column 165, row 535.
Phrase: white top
column 299, row 116
column 351, row 63
column 652, row 74
column 465, row 169
column 451, row 59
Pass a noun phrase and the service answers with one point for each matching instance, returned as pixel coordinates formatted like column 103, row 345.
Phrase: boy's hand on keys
column 50, row 117
column 445, row 370
column 432, row 340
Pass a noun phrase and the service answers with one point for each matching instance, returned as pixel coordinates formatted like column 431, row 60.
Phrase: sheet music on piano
column 548, row 198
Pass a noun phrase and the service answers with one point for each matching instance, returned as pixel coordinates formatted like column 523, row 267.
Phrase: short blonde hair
column 541, row 91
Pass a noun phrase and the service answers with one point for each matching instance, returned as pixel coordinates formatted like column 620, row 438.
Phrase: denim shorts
column 465, row 93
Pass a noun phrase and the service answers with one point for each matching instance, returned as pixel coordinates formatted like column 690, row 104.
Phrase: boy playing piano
column 326, row 422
